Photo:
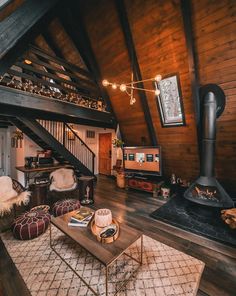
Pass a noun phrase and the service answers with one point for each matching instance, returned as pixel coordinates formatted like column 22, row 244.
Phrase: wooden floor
column 132, row 207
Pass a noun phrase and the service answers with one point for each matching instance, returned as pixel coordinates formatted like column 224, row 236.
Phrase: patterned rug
column 165, row 271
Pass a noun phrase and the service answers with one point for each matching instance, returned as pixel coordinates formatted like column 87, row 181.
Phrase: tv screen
column 145, row 160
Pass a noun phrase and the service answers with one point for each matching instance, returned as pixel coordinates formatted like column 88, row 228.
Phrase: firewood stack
column 229, row 216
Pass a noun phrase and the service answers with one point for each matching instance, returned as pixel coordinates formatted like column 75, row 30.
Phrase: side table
column 39, row 194
column 86, row 190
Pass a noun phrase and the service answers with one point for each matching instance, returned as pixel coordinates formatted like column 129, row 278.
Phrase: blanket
column 9, row 197
column 63, row 180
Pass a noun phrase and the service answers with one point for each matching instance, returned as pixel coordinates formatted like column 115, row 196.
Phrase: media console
column 146, row 183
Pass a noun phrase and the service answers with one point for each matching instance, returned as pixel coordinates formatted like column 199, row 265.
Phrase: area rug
column 165, row 271
column 179, row 212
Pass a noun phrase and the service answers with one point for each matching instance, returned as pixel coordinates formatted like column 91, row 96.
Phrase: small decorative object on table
column 103, row 218
column 106, row 234
column 104, row 227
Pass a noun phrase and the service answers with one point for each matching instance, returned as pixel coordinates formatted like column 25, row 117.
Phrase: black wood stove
column 206, row 190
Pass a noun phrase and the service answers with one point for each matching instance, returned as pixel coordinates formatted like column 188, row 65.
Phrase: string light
column 130, row 87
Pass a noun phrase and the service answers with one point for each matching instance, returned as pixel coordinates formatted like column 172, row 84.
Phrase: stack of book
column 81, row 218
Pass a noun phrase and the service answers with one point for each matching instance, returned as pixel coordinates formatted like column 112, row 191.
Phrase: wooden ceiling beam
column 192, row 63
column 34, row 103
column 77, row 85
column 124, row 22
column 52, row 44
column 21, row 27
column 72, row 22
column 59, row 61
column 45, row 63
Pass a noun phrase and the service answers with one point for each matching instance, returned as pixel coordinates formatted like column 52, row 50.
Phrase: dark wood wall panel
column 107, row 39
column 215, row 38
column 64, row 43
column 160, row 44
column 10, row 8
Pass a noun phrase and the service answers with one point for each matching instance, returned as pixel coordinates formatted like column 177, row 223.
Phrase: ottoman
column 30, row 225
column 64, row 206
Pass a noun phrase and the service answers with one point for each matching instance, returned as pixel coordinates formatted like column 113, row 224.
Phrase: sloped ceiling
column 158, row 35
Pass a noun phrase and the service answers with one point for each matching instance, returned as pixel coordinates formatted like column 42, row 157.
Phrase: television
column 143, row 160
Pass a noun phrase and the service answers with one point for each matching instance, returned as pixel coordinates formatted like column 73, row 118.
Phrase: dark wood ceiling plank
column 124, row 22
column 45, row 63
column 60, row 61
column 15, row 98
column 192, row 62
column 72, row 22
column 52, row 44
column 17, row 30
column 58, row 79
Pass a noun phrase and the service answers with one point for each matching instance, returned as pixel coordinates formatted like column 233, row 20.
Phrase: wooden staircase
column 66, row 145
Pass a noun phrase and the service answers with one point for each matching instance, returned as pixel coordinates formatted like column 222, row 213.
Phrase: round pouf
column 30, row 225
column 62, row 207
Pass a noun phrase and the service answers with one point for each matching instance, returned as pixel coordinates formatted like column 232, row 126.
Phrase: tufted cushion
column 30, row 224
column 62, row 207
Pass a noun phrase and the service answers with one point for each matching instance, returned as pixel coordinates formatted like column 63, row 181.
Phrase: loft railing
column 64, row 134
column 36, row 74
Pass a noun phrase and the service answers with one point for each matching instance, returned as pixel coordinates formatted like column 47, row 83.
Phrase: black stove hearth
column 202, row 220
column 206, row 190
column 197, row 210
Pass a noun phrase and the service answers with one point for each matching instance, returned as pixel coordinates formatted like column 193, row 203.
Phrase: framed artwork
column 170, row 102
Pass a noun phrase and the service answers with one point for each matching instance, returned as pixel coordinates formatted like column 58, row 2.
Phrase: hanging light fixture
column 130, row 87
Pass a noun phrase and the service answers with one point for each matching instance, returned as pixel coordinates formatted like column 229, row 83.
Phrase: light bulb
column 122, row 87
column 28, row 62
column 105, row 82
column 132, row 101
column 157, row 92
column 158, row 78
column 114, row 86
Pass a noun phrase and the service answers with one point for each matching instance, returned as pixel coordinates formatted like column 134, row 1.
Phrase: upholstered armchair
column 63, row 185
column 12, row 194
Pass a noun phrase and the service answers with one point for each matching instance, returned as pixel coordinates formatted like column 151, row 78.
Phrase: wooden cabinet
column 144, row 184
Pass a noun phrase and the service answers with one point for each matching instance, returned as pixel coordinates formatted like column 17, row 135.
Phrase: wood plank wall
column 215, row 38
column 157, row 29
column 108, row 43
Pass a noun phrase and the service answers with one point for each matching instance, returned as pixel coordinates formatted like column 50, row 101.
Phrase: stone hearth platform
column 179, row 212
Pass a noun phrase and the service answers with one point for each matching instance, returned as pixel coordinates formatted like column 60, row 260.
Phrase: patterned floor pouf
column 30, row 225
column 64, row 206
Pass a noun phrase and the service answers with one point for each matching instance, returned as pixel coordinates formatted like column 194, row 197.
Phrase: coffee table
column 107, row 254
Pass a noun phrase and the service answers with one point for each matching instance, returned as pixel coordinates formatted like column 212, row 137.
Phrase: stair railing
column 64, row 134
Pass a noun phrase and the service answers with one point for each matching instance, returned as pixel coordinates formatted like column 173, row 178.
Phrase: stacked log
column 229, row 217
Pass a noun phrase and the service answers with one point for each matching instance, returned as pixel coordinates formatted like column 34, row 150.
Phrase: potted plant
column 120, row 177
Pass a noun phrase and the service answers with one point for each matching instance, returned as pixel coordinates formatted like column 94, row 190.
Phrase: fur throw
column 9, row 197
column 63, row 180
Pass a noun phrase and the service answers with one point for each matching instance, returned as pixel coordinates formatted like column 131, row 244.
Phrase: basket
column 96, row 230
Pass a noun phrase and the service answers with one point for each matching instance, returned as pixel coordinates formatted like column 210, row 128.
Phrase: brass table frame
column 123, row 283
